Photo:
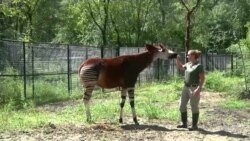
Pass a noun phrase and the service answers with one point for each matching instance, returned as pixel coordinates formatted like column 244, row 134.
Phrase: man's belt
column 191, row 85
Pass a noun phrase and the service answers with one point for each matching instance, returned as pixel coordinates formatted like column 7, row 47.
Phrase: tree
column 214, row 24
column 220, row 23
column 18, row 18
column 45, row 20
column 242, row 49
column 101, row 10
column 189, row 14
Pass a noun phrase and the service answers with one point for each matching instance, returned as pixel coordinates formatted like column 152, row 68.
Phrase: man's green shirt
column 192, row 73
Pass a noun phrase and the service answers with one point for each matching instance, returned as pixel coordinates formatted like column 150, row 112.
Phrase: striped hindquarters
column 88, row 75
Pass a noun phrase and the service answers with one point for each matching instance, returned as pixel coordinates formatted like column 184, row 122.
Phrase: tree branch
column 197, row 4
column 106, row 11
column 93, row 17
column 184, row 4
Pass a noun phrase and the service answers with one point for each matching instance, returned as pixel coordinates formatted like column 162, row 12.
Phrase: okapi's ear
column 151, row 48
column 163, row 49
column 161, row 45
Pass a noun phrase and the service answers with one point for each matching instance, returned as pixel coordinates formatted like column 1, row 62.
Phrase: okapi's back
column 108, row 73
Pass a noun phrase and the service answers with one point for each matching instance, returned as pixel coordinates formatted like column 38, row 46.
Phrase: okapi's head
column 161, row 52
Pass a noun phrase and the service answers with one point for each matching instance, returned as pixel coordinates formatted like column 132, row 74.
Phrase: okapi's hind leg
column 88, row 78
column 123, row 99
column 132, row 104
column 86, row 99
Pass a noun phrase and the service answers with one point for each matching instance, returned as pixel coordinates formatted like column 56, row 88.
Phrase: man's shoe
column 184, row 120
column 193, row 128
column 182, row 126
column 195, row 118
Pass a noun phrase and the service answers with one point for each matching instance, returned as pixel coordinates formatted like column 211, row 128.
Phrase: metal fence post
column 102, row 51
column 32, row 65
column 139, row 78
column 69, row 69
column 24, row 70
column 207, row 68
column 232, row 63
column 86, row 54
column 117, row 51
column 158, row 69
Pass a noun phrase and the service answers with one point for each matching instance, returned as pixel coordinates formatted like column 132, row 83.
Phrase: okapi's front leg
column 132, row 104
column 123, row 99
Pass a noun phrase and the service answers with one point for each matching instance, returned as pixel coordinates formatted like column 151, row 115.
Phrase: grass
column 30, row 118
column 233, row 86
column 153, row 100
column 233, row 103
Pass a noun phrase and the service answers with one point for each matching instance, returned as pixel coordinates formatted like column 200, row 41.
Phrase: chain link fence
column 36, row 65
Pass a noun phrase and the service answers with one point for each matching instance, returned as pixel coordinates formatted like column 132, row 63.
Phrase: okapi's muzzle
column 172, row 56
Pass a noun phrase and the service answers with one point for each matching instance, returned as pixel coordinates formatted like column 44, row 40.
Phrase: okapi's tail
column 79, row 70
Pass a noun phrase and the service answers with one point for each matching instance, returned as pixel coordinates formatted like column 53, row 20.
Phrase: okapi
column 121, row 71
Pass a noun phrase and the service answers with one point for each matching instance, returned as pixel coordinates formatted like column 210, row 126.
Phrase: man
column 193, row 82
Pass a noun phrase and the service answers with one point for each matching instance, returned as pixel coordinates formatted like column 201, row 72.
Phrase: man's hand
column 197, row 91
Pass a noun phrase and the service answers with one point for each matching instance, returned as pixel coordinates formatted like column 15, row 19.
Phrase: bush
column 46, row 92
column 11, row 90
column 221, row 82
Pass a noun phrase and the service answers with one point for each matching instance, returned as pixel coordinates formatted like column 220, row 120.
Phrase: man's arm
column 178, row 63
column 202, row 79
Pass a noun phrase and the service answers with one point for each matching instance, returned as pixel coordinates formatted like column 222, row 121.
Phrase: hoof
column 90, row 121
column 120, row 120
column 136, row 123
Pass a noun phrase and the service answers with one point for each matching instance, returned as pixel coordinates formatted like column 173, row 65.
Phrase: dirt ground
column 219, row 124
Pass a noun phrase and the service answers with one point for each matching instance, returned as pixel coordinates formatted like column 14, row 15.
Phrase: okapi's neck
column 143, row 60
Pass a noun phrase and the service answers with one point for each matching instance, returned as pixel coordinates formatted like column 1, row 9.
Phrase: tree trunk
column 163, row 12
column 188, row 25
column 187, row 34
column 138, row 24
column 102, row 26
column 118, row 37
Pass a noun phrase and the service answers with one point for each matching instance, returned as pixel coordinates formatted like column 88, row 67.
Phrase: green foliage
column 23, row 12
column 243, row 45
column 221, row 82
column 216, row 24
column 242, row 50
column 75, row 25
column 247, row 40
column 242, row 58
column 46, row 19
